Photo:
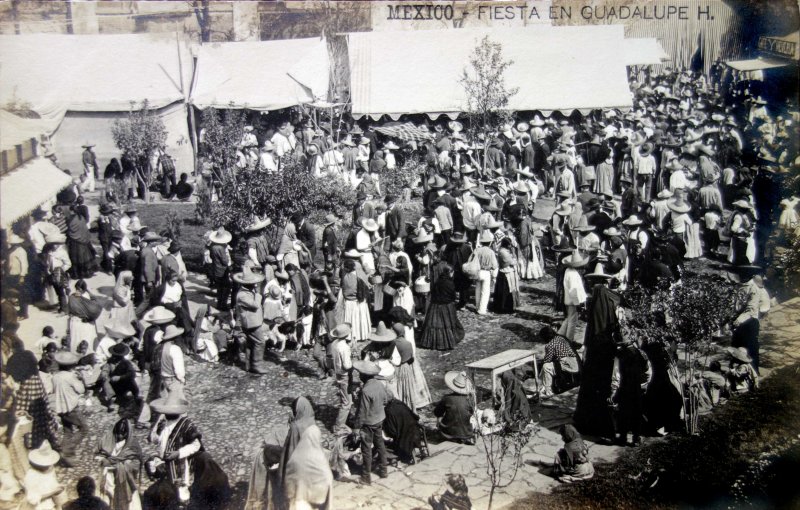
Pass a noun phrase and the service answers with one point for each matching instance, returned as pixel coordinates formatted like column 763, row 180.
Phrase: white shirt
column 283, row 144
column 172, row 293
column 102, row 352
column 574, row 293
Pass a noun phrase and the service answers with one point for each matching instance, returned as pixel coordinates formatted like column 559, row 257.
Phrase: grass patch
column 156, row 217
column 737, row 460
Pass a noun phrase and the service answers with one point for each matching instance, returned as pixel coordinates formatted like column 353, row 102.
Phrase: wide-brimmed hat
column 382, row 334
column 131, row 209
column 537, row 121
column 366, row 367
column 492, row 224
column 631, row 221
column 356, row 130
column 87, row 145
column 486, row 237
column 664, row 193
column 741, row 204
column 523, row 127
column 369, row 225
column 679, row 206
column 121, row 349
column 467, row 169
column 423, row 237
column 612, row 232
column 458, row 238
column 330, row 219
column 364, row 141
column 248, row 277
column 15, row 239
column 385, row 369
column 171, row 404
column 348, row 143
column 521, row 187
column 391, row 146
column 258, row 224
column 66, row 359
column 583, row 228
column 646, row 149
column 172, row 331
column 455, row 126
column 275, row 292
column 151, row 237
column 459, row 382
column 342, row 330
column 220, row 236
column 159, row 315
column 120, row 331
column 480, row 192
column 107, row 208
column 739, row 353
column 575, row 260
column 44, row 456
column 563, row 209
column 598, row 272
column 437, row 182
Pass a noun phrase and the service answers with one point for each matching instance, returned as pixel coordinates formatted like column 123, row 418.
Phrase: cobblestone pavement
column 237, row 412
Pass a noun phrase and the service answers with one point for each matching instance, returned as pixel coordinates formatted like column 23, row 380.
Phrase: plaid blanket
column 407, row 132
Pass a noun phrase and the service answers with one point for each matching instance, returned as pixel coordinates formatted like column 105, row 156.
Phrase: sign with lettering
column 778, row 46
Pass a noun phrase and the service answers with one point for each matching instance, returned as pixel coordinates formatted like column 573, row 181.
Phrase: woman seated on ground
column 455, row 410
column 183, row 190
column 742, row 376
column 572, row 462
column 119, row 455
column 402, row 427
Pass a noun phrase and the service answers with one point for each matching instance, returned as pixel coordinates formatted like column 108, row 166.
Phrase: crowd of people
column 693, row 171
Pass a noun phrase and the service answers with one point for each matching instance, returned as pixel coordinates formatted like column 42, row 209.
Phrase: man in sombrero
column 90, row 168
column 249, row 315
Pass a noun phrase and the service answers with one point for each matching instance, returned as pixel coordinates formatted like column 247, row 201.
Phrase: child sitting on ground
column 742, row 376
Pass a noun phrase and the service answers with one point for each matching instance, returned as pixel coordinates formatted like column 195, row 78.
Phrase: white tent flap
column 54, row 73
column 555, row 68
column 756, row 64
column 261, row 75
column 15, row 130
column 29, row 186
column 644, row 51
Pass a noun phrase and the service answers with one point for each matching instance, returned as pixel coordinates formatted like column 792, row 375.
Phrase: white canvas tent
column 555, row 69
column 82, row 83
column 261, row 75
column 644, row 51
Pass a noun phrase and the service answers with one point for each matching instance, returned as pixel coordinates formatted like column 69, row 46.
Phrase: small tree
column 138, row 136
column 503, row 449
column 486, row 90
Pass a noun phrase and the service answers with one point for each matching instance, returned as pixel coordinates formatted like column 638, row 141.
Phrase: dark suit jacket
column 308, row 236
column 395, row 224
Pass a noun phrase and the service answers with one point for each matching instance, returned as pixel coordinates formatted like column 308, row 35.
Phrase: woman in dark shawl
column 303, row 418
column 442, row 330
column 113, row 171
column 663, row 399
column 210, row 489
column 79, row 246
column 592, row 412
column 456, row 253
column 572, row 462
column 402, row 426
column 265, row 490
column 516, row 409
column 30, row 397
column 121, row 456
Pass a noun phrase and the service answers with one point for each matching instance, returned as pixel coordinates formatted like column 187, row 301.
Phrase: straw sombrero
column 248, row 277
column 575, row 260
column 369, row 225
column 172, row 331
column 159, row 315
column 221, row 236
column 633, row 220
column 366, row 367
column 171, row 404
column 66, row 359
column 343, row 330
column 598, row 272
column 458, row 382
column 739, row 353
column 44, row 456
column 382, row 334
column 120, row 331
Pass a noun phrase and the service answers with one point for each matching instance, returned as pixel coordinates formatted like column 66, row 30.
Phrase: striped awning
column 407, row 132
column 27, row 187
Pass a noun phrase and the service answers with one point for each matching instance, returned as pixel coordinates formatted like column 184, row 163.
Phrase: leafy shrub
column 279, row 196
column 394, row 182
